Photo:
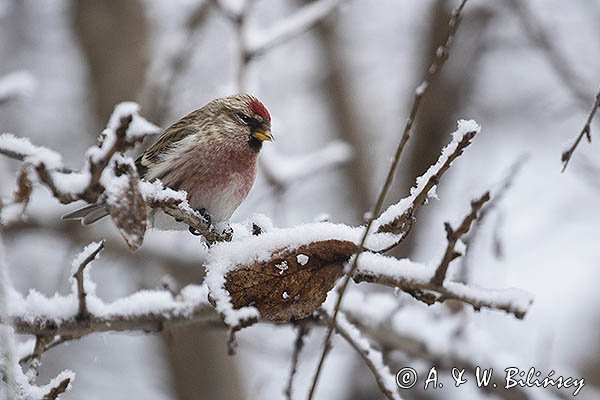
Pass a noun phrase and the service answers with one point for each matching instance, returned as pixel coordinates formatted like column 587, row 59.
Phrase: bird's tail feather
column 87, row 214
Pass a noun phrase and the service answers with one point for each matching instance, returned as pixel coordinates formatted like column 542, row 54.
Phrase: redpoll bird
column 211, row 153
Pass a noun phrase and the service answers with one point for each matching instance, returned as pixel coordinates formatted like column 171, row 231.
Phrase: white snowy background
column 548, row 224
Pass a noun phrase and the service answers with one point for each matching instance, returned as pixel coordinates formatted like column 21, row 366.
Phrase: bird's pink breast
column 217, row 178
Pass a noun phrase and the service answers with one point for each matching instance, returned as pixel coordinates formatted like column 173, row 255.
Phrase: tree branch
column 454, row 235
column 84, row 314
column 586, row 131
column 441, row 57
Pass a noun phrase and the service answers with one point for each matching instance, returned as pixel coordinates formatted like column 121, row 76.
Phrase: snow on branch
column 419, row 281
column 441, row 56
column 397, row 219
column 107, row 176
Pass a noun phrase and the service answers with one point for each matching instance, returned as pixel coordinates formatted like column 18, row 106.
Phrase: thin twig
column 303, row 329
column 84, row 314
column 441, row 57
column 586, row 131
column 364, row 353
column 454, row 235
column 497, row 196
column 57, row 390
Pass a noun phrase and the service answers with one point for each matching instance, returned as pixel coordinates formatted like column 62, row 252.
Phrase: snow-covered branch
column 419, row 281
column 397, row 218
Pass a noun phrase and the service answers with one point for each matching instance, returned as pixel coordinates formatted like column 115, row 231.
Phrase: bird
column 210, row 153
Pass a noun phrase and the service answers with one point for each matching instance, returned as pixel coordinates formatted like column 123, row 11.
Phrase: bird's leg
column 206, row 217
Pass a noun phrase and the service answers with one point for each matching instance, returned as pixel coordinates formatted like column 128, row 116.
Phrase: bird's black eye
column 247, row 120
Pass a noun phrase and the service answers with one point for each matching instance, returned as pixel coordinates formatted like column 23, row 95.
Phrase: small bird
column 211, row 153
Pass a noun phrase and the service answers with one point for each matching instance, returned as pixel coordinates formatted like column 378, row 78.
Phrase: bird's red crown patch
column 259, row 108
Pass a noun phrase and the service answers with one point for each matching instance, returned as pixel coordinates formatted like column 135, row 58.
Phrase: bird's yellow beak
column 263, row 136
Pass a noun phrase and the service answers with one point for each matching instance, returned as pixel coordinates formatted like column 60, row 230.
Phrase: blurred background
column 527, row 71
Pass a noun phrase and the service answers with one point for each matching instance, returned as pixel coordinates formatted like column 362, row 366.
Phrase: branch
column 57, row 390
column 398, row 218
column 454, row 235
column 175, row 204
column 586, row 131
column 89, row 254
column 497, row 196
column 441, row 57
column 372, row 358
column 298, row 345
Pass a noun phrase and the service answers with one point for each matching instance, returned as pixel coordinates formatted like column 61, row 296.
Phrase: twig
column 299, row 22
column 441, row 57
column 454, row 235
column 586, row 131
column 298, row 345
column 57, row 390
column 367, row 353
column 401, row 224
column 147, row 322
column 41, row 342
column 497, row 196
column 84, row 314
column 430, row 293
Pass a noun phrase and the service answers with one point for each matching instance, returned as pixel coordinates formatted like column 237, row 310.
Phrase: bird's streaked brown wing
column 151, row 156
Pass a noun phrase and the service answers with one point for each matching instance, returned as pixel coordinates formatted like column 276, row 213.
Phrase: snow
column 32, row 154
column 302, row 259
column 519, row 299
column 138, row 128
column 403, row 270
column 17, row 84
column 282, row 267
column 75, row 182
column 61, row 308
column 397, row 209
column 11, row 213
